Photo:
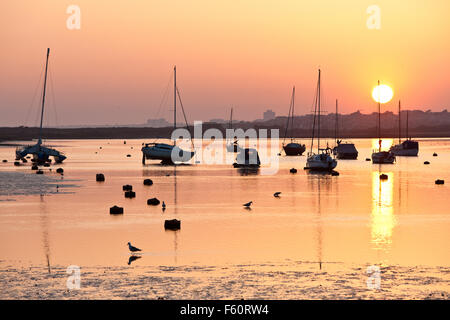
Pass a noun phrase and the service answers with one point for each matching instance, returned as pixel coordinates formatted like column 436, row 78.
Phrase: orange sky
column 243, row 53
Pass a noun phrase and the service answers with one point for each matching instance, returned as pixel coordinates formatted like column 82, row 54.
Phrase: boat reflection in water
column 382, row 219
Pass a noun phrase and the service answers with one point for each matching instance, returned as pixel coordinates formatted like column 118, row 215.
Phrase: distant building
column 268, row 115
column 158, row 123
column 217, row 120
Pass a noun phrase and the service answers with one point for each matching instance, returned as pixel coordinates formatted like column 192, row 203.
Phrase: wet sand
column 289, row 280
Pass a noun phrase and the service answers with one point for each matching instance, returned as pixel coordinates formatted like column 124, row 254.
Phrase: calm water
column 327, row 221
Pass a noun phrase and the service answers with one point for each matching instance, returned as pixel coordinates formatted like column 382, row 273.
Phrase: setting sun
column 382, row 93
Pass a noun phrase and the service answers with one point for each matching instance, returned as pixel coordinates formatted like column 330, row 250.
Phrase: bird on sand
column 133, row 249
column 248, row 204
column 277, row 194
column 163, row 206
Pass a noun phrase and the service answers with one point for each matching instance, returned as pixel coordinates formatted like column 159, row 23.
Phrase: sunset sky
column 248, row 54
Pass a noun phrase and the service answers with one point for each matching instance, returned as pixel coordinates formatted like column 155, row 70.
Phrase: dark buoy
column 153, row 202
column 115, row 210
column 130, row 194
column 127, row 187
column 383, row 176
column 34, row 167
column 367, row 159
column 16, row 163
column 39, row 172
column 293, row 170
column 435, row 154
column 100, row 177
column 59, row 170
column 426, row 162
column 148, row 182
column 128, row 155
column 172, row 224
column 334, row 173
column 439, row 181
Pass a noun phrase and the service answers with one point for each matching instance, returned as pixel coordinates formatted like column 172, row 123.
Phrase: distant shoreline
column 8, row 134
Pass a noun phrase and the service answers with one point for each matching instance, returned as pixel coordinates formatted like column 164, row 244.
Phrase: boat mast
column 292, row 118
column 318, row 118
column 43, row 98
column 379, row 117
column 399, row 124
column 231, row 118
column 336, row 126
column 407, row 124
column 174, row 100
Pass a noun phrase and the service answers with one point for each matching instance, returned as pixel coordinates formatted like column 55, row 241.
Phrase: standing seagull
column 248, row 204
column 163, row 206
column 133, row 249
column 277, row 194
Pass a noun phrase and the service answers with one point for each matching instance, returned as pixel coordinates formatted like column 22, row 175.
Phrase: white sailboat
column 41, row 153
column 409, row 147
column 168, row 154
column 322, row 160
column 381, row 157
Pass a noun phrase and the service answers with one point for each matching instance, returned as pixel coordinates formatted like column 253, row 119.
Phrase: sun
column 382, row 93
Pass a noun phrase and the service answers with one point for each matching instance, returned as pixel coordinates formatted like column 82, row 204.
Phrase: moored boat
column 41, row 153
column 168, row 154
column 409, row 147
column 322, row 160
column 293, row 148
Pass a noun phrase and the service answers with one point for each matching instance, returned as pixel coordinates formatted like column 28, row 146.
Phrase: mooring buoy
column 116, row 210
column 153, row 202
column 173, row 224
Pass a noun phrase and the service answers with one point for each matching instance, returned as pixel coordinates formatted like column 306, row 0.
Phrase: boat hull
column 294, row 149
column 166, row 153
column 383, row 157
column 347, row 156
column 408, row 148
column 320, row 162
column 345, row 151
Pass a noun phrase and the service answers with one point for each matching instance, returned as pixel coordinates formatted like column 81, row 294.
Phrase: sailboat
column 379, row 156
column 322, row 160
column 292, row 148
column 41, row 153
column 343, row 149
column 168, row 154
column 409, row 147
column 232, row 146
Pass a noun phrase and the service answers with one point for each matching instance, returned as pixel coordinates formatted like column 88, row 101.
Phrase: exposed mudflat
column 290, row 280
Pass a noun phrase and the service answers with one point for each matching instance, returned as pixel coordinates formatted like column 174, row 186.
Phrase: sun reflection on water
column 382, row 220
column 385, row 144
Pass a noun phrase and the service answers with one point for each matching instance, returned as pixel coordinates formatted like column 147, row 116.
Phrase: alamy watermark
column 73, row 22
column 74, row 280
column 374, row 20
column 251, row 148
column 373, row 281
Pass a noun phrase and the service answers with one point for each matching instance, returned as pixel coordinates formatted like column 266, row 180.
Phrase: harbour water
column 315, row 241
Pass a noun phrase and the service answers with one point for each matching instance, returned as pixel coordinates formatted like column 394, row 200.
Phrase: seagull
column 248, row 204
column 133, row 249
column 277, row 194
column 164, row 206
